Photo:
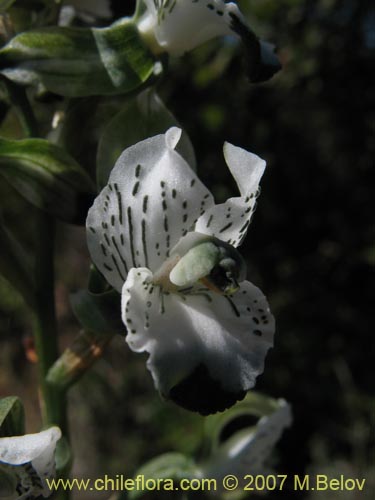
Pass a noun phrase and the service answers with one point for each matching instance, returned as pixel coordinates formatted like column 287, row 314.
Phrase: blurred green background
column 310, row 248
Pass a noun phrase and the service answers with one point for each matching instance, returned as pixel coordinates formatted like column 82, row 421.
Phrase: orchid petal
column 184, row 25
column 152, row 199
column 199, row 342
column 19, row 450
column 30, row 459
column 229, row 221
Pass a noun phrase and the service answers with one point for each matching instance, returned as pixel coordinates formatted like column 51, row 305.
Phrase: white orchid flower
column 248, row 450
column 25, row 464
column 179, row 26
column 158, row 237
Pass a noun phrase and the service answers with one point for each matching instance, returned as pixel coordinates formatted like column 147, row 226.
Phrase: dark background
column 310, row 247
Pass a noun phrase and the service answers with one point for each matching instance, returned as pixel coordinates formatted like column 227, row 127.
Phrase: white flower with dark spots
column 158, row 237
column 26, row 462
column 178, row 26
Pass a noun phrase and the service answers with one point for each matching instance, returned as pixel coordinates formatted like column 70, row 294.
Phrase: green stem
column 45, row 326
column 53, row 401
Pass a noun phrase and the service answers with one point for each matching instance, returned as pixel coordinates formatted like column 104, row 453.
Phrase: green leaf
column 15, row 265
column 46, row 176
column 77, row 62
column 171, row 466
column 12, row 417
column 140, row 118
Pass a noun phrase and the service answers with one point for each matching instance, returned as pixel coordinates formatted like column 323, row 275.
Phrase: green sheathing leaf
column 77, row 62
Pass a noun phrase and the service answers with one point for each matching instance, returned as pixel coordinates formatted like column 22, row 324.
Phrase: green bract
column 47, row 177
column 77, row 62
column 98, row 312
